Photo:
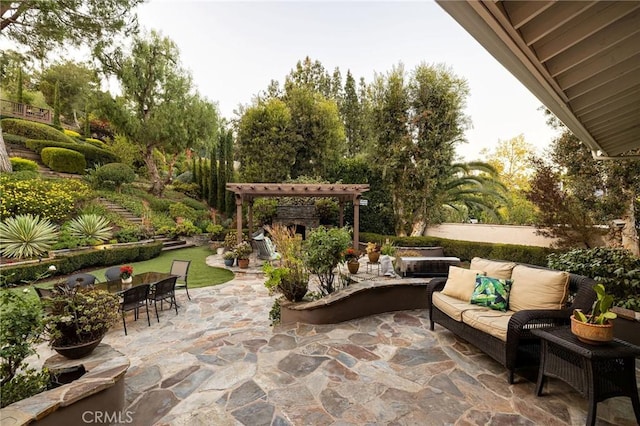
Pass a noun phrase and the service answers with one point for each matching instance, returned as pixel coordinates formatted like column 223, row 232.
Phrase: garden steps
column 168, row 245
column 19, row 151
column 120, row 211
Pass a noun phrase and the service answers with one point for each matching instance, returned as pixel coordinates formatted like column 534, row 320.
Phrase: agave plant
column 26, row 236
column 90, row 226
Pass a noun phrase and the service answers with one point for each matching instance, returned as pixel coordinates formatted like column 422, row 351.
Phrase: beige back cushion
column 460, row 283
column 492, row 268
column 534, row 288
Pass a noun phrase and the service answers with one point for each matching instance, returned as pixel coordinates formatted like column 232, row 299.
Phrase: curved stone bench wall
column 359, row 300
column 98, row 393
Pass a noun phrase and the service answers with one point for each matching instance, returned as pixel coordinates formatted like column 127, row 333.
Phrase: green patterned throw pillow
column 492, row 293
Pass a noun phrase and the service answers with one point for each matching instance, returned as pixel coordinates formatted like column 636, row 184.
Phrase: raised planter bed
column 100, row 390
column 359, row 300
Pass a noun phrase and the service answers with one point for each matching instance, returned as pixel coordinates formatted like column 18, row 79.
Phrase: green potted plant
column 77, row 319
column 243, row 250
column 597, row 327
column 229, row 257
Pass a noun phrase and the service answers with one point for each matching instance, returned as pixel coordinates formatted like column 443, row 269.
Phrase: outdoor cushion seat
column 453, row 307
column 83, row 280
column 490, row 321
column 112, row 273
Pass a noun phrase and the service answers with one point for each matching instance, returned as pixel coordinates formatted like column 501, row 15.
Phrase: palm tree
column 472, row 187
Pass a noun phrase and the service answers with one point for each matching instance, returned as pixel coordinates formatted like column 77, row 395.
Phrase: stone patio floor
column 219, row 362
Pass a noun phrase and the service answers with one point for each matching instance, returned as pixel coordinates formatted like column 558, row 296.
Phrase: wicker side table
column 597, row 372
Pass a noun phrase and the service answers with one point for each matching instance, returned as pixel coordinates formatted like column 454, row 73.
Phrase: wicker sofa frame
column 521, row 348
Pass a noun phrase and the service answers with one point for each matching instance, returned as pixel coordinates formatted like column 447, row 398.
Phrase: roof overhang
column 581, row 59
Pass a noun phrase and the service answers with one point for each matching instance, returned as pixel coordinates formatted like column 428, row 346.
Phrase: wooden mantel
column 247, row 192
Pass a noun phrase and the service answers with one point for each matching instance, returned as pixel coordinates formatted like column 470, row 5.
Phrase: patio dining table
column 117, row 286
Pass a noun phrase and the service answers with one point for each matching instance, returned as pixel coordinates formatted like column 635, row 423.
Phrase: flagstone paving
column 219, row 362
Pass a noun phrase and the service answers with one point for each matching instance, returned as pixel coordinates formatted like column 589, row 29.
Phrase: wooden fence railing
column 29, row 112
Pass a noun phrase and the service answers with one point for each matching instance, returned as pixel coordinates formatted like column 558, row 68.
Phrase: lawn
column 200, row 274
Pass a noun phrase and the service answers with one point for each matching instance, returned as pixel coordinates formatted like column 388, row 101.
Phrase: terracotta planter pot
column 593, row 334
column 374, row 256
column 353, row 267
column 243, row 263
column 77, row 351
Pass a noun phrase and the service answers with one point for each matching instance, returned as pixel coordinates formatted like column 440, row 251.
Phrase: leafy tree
column 318, row 139
column 312, row 76
column 266, row 142
column 353, row 116
column 41, row 26
column 417, row 122
column 512, row 161
column 158, row 108
column 76, row 85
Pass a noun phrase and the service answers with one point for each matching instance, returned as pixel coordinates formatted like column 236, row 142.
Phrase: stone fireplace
column 302, row 218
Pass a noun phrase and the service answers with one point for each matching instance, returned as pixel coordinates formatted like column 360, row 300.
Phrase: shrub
column 188, row 189
column 323, row 251
column 185, row 228
column 264, row 210
column 67, row 263
column 26, row 236
column 97, row 143
column 118, row 173
column 14, row 139
column 131, row 234
column 195, row 204
column 90, row 226
column 327, row 210
column 52, row 199
column 71, row 133
column 63, row 160
column 180, row 210
column 21, row 164
column 33, row 130
column 186, row 177
column 617, row 269
column 20, row 328
column 93, row 155
column 217, row 232
column 24, row 175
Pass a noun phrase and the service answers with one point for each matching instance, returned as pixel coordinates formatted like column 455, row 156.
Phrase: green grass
column 200, row 274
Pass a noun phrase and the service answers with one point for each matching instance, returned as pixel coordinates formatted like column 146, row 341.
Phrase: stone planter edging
column 104, row 380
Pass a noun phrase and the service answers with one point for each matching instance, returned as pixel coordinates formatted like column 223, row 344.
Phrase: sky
column 234, row 49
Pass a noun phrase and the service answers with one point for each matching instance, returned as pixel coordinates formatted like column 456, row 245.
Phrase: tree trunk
column 5, row 164
column 629, row 231
column 157, row 185
column 418, row 228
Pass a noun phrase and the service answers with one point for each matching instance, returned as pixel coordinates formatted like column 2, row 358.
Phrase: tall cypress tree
column 222, row 181
column 213, row 179
column 56, row 105
column 229, row 200
column 20, row 84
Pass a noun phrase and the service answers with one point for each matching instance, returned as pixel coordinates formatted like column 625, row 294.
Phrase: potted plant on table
column 373, row 252
column 595, row 328
column 243, row 250
column 77, row 319
column 126, row 274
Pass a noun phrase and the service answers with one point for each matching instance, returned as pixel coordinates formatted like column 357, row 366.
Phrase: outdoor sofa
column 538, row 298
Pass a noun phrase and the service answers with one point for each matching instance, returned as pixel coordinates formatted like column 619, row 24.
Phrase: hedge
column 91, row 154
column 33, row 130
column 467, row 250
column 97, row 143
column 68, row 263
column 14, row 139
column 63, row 160
column 19, row 164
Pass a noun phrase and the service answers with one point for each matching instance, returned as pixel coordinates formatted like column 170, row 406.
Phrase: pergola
column 248, row 192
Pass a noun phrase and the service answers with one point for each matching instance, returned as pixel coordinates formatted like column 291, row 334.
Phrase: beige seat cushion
column 534, row 288
column 492, row 268
column 489, row 321
column 461, row 282
column 451, row 306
